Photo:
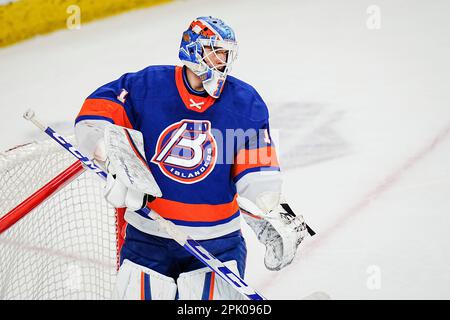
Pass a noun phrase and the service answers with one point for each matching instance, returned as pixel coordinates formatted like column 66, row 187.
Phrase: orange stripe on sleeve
column 248, row 159
column 106, row 108
column 193, row 212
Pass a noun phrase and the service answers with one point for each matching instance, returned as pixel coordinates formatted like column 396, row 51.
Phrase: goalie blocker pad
column 125, row 150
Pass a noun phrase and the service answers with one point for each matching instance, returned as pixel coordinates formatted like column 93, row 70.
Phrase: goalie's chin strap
column 291, row 213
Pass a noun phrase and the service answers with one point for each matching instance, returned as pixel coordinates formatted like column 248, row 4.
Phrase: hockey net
column 66, row 247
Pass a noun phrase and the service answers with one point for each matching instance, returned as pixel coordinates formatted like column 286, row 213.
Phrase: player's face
column 216, row 58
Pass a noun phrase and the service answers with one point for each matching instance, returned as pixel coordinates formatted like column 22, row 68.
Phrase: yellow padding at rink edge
column 22, row 19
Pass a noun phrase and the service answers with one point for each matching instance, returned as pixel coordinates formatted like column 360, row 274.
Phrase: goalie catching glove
column 279, row 229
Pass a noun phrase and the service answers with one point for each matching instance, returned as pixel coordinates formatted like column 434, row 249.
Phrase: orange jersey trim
column 191, row 101
column 106, row 108
column 253, row 158
column 174, row 210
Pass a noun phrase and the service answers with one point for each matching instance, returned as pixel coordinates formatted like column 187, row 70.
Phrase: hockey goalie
column 207, row 143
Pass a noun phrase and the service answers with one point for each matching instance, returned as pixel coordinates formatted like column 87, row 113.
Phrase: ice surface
column 362, row 118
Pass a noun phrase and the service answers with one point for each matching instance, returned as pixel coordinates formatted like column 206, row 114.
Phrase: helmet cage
column 205, row 70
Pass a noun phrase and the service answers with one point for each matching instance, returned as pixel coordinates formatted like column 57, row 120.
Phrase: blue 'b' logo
column 186, row 151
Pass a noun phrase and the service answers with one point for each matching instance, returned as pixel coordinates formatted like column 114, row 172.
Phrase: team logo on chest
column 186, row 151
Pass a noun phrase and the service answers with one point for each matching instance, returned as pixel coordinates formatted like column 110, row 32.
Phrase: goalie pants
column 167, row 258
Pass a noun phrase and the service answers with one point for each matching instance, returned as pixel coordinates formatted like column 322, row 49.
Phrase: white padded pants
column 135, row 282
column 203, row 284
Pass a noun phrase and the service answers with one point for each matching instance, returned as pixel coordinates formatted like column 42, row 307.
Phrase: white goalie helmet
column 208, row 39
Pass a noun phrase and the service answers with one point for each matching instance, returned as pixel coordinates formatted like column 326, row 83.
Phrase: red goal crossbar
column 54, row 185
column 49, row 189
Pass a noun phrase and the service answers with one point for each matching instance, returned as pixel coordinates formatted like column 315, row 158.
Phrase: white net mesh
column 66, row 247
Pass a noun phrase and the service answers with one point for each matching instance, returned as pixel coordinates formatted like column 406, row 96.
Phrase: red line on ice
column 364, row 201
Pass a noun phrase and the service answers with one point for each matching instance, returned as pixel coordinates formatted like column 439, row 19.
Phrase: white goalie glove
column 129, row 182
column 119, row 195
column 280, row 230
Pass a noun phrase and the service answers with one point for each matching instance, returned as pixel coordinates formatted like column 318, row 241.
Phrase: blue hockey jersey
column 197, row 147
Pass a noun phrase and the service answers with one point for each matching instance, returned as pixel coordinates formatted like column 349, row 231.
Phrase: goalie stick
column 180, row 237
